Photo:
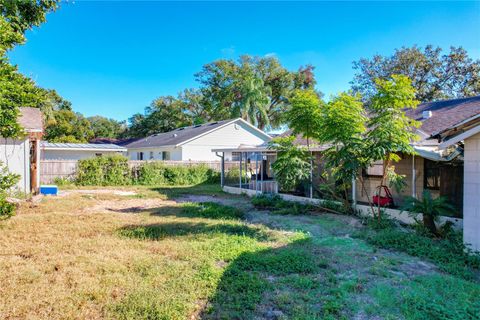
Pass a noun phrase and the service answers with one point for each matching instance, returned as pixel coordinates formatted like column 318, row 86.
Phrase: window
column 165, row 155
column 151, row 155
column 139, row 155
column 432, row 175
column 376, row 170
column 98, row 154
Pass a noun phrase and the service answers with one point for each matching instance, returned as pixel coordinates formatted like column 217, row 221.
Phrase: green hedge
column 156, row 173
column 109, row 170
column 114, row 171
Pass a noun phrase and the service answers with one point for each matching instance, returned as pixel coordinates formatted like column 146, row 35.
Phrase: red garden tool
column 383, row 201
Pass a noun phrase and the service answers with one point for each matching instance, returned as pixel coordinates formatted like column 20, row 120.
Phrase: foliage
column 277, row 205
column 434, row 76
column 450, row 254
column 292, row 165
column 156, row 173
column 7, row 181
column 256, row 88
column 16, row 90
column 68, row 126
column 303, row 116
column 106, row 128
column 164, row 114
column 429, row 208
column 212, row 210
column 111, row 170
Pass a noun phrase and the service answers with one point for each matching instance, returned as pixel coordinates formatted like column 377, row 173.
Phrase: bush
column 449, row 254
column 156, row 173
column 109, row 170
column 7, row 181
column 277, row 205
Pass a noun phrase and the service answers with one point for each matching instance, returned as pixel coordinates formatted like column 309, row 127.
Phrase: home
column 22, row 155
column 195, row 143
column 77, row 151
column 446, row 162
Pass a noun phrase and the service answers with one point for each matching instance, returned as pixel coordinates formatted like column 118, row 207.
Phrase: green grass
column 211, row 261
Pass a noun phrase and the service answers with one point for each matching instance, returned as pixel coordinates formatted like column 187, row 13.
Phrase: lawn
column 156, row 253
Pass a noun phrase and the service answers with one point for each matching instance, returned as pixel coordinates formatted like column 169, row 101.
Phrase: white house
column 77, row 151
column 195, row 143
column 21, row 155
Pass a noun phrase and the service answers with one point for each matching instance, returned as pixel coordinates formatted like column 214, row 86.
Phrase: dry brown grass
column 63, row 259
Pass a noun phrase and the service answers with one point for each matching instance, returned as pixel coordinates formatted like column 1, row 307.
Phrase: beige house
column 447, row 163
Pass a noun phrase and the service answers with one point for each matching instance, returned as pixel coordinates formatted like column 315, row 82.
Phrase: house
column 195, row 143
column 22, row 155
column 447, row 163
column 77, row 151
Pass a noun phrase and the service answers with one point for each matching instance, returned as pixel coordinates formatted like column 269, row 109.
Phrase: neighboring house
column 195, row 143
column 22, row 154
column 77, row 151
column 447, row 162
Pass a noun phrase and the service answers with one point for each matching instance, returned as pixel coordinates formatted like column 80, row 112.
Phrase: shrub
column 109, row 170
column 449, row 254
column 156, row 173
column 7, row 181
column 277, row 205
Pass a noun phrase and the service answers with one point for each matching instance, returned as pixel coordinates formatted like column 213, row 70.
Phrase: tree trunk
column 429, row 223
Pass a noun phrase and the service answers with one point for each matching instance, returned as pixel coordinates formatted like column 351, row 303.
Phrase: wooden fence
column 66, row 169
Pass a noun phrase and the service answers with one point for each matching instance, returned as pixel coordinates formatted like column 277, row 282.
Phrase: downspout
column 414, row 178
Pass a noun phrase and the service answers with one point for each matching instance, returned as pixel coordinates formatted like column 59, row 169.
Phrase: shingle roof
column 81, row 146
column 445, row 114
column 31, row 119
column 177, row 136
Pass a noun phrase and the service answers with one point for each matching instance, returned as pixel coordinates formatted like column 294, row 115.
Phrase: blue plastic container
column 49, row 189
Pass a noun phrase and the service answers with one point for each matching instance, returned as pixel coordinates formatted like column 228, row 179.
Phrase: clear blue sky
column 114, row 58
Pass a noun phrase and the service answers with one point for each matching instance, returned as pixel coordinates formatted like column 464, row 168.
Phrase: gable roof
column 445, row 114
column 31, row 119
column 183, row 135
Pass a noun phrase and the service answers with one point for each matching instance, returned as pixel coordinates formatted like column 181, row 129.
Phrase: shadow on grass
column 185, row 229
column 271, row 284
column 172, row 192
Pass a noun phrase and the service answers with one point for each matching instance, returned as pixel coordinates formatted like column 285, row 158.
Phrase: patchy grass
column 144, row 256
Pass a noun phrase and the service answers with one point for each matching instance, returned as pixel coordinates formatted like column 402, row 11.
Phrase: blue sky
column 113, row 58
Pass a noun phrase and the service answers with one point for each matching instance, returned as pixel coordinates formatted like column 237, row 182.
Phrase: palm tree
column 430, row 209
column 253, row 101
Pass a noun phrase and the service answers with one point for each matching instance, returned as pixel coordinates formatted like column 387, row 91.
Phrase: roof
column 300, row 140
column 81, row 146
column 183, row 135
column 445, row 113
column 31, row 119
column 118, row 142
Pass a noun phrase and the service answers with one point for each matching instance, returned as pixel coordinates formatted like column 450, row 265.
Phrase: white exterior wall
column 175, row 153
column 72, row 154
column 230, row 136
column 471, row 193
column 16, row 155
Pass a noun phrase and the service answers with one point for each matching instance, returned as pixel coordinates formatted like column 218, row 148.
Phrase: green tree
column 16, row 17
column 7, row 181
column 303, row 117
column 255, row 88
column 164, row 114
column 106, row 128
column 292, row 165
column 390, row 130
column 434, row 75
column 68, row 126
column 429, row 208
